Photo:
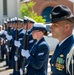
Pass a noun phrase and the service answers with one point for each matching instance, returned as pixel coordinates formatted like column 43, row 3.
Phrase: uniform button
column 52, row 64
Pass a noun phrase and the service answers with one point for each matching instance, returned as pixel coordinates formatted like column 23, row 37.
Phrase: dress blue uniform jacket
column 31, row 41
column 20, row 37
column 58, row 60
column 38, row 61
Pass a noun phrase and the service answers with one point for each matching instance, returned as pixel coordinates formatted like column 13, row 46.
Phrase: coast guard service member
column 37, row 57
column 29, row 22
column 62, row 21
column 27, row 41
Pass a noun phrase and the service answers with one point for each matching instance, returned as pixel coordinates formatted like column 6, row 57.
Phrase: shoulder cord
column 69, row 59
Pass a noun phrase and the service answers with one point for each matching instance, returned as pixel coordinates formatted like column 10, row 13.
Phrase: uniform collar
column 40, row 40
column 20, row 29
column 64, row 40
column 65, row 44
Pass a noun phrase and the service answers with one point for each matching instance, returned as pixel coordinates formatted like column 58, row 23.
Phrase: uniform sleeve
column 41, row 57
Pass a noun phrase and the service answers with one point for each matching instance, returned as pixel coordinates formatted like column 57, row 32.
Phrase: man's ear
column 67, row 27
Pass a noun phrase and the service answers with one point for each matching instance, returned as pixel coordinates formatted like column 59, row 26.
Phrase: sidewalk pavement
column 3, row 70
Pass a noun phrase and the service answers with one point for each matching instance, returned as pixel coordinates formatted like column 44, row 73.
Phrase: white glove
column 7, row 48
column 4, row 32
column 8, row 37
column 17, row 43
column 25, row 53
column 21, row 71
column 15, row 58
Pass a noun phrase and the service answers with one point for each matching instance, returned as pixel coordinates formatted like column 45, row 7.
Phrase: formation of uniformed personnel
column 17, row 45
column 12, row 25
column 37, row 56
column 15, row 39
column 62, row 26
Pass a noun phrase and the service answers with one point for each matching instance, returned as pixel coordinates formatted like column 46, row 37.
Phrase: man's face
column 30, row 25
column 19, row 25
column 57, row 30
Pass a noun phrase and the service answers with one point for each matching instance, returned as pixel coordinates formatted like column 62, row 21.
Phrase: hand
column 8, row 37
column 15, row 58
column 21, row 71
column 7, row 48
column 4, row 32
column 25, row 53
column 17, row 43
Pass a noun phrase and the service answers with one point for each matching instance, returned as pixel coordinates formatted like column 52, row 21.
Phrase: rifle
column 0, row 50
column 16, row 52
column 25, row 47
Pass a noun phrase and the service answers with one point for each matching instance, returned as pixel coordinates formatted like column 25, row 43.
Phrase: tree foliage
column 27, row 10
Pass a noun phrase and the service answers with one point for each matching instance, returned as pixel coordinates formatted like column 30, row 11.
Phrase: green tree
column 27, row 10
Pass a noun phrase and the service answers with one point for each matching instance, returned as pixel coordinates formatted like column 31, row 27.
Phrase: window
column 5, row 7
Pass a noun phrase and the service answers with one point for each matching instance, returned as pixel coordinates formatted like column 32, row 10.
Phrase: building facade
column 10, row 8
column 44, row 7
